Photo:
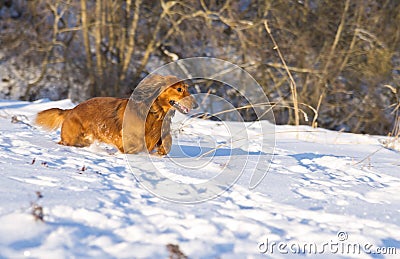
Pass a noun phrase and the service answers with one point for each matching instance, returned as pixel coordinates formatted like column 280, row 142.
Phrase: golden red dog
column 140, row 124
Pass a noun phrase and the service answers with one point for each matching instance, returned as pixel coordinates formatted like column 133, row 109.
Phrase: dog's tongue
column 181, row 108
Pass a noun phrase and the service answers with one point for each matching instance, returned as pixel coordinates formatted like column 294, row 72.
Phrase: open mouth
column 183, row 109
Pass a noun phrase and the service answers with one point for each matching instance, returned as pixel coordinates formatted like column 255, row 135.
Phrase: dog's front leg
column 165, row 145
column 165, row 142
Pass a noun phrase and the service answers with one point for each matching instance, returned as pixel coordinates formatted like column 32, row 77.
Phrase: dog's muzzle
column 183, row 109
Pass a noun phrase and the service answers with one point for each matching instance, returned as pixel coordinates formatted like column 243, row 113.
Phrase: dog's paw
column 160, row 151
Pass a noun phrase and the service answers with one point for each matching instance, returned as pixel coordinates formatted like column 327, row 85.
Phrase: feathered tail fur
column 51, row 119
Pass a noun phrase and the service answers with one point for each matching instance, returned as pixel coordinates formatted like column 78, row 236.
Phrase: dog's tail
column 51, row 119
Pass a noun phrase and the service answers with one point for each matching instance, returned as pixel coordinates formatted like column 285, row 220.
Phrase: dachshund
column 139, row 124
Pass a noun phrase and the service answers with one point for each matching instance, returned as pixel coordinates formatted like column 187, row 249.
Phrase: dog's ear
column 151, row 87
column 146, row 92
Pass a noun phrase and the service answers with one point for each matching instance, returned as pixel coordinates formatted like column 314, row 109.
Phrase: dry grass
column 36, row 209
column 293, row 86
column 175, row 252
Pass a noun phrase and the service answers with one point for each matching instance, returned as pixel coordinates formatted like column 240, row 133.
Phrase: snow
column 320, row 183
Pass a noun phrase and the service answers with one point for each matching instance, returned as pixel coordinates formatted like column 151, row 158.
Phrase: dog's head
column 176, row 97
column 164, row 93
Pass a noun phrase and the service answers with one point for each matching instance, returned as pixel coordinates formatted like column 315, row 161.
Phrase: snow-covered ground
column 326, row 192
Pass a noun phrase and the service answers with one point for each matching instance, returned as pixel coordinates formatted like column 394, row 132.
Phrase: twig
column 369, row 156
column 295, row 69
column 293, row 86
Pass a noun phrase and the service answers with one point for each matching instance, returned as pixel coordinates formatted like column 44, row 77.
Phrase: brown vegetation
column 340, row 54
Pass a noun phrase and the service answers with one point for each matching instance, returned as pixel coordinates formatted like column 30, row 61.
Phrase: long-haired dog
column 140, row 124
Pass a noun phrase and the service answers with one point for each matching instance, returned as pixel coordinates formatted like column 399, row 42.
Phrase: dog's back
column 98, row 118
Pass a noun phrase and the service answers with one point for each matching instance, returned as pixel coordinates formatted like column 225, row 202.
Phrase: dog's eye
column 179, row 89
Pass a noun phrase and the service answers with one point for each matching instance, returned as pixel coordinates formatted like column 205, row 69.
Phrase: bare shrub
column 339, row 55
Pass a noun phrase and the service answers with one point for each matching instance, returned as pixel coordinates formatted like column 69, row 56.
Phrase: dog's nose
column 195, row 105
